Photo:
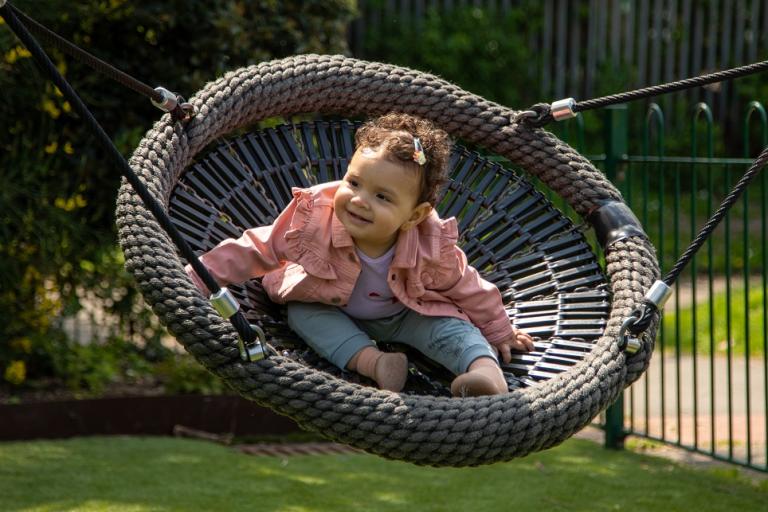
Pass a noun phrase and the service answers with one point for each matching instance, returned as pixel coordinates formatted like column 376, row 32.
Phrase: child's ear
column 419, row 213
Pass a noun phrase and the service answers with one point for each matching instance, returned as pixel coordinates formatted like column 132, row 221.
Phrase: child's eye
column 383, row 198
column 352, row 183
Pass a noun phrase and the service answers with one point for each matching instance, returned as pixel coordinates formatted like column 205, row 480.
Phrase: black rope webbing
column 47, row 67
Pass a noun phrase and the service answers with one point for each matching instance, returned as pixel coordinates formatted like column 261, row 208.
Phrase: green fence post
column 616, row 140
column 616, row 148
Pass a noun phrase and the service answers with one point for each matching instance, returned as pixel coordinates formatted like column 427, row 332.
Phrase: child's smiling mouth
column 358, row 218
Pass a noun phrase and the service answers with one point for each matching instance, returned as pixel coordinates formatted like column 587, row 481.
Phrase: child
column 368, row 258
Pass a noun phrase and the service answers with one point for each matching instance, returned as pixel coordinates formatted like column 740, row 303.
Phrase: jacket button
column 352, row 257
column 393, row 277
column 459, row 310
column 335, row 300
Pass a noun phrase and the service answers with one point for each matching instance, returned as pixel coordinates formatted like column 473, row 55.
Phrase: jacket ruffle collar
column 433, row 239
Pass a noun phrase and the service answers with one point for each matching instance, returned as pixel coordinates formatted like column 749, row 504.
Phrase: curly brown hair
column 395, row 133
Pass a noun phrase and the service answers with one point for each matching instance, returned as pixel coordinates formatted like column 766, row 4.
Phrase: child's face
column 377, row 199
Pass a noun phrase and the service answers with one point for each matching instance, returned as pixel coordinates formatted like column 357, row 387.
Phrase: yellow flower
column 17, row 53
column 49, row 106
column 16, row 372
column 51, row 148
column 68, row 149
column 70, row 204
column 22, row 344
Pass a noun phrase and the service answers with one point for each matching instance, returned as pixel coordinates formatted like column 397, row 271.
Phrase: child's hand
column 518, row 341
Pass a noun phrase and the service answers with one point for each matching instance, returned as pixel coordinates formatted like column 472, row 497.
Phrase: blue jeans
column 452, row 342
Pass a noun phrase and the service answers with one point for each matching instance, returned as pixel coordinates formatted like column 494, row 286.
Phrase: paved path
column 714, row 411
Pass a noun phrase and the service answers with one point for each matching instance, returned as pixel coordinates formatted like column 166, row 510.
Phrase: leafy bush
column 58, row 194
column 91, row 367
column 472, row 47
column 180, row 374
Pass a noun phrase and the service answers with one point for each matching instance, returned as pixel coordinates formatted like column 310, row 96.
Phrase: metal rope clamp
column 226, row 305
column 174, row 104
column 541, row 113
column 563, row 109
column 632, row 331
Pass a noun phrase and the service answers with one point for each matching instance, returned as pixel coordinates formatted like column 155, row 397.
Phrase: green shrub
column 58, row 194
column 471, row 47
column 181, row 374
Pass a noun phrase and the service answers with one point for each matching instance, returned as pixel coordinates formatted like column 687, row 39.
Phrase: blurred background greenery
column 58, row 248
column 57, row 235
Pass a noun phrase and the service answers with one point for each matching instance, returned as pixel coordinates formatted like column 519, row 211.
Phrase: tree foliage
column 480, row 50
column 58, row 192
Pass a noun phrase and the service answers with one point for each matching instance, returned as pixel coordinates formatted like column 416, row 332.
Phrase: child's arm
column 258, row 251
column 481, row 301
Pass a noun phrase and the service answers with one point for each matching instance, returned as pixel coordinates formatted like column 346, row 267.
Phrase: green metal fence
column 707, row 387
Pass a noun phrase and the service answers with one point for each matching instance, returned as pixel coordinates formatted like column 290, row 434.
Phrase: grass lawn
column 742, row 321
column 164, row 474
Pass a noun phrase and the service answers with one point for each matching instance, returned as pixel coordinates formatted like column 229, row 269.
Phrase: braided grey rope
column 424, row 430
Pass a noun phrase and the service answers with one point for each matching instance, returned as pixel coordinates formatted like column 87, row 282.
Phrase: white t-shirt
column 371, row 297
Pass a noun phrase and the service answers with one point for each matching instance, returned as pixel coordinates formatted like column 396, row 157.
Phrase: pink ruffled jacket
column 306, row 255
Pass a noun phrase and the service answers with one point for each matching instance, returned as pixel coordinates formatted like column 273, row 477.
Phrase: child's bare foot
column 388, row 369
column 483, row 377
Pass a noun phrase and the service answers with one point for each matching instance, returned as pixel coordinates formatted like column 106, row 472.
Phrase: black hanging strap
column 44, row 62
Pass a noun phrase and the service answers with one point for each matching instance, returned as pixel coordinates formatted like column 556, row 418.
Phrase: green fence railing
column 707, row 387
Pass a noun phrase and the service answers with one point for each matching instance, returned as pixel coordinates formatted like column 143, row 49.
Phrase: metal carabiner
column 256, row 351
column 629, row 344
column 525, row 114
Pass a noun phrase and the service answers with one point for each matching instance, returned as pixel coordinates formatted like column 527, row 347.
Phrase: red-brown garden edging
column 146, row 415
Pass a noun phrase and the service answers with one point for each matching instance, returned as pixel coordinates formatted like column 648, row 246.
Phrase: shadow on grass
column 161, row 474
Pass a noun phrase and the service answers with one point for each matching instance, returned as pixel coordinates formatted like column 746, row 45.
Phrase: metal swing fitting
column 226, row 305
column 254, row 351
column 563, row 109
column 169, row 101
column 656, row 296
column 224, row 302
column 630, row 344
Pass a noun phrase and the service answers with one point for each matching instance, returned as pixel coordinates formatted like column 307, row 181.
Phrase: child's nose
column 359, row 200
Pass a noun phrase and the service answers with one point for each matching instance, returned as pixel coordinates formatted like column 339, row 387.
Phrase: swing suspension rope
column 161, row 97
column 541, row 114
column 536, row 116
column 246, row 332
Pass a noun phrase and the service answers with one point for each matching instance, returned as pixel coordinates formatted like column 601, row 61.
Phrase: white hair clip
column 418, row 152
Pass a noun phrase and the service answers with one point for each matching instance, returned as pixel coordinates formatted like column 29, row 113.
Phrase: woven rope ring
column 436, row 431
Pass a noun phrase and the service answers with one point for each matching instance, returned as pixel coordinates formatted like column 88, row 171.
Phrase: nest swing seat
column 551, row 282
